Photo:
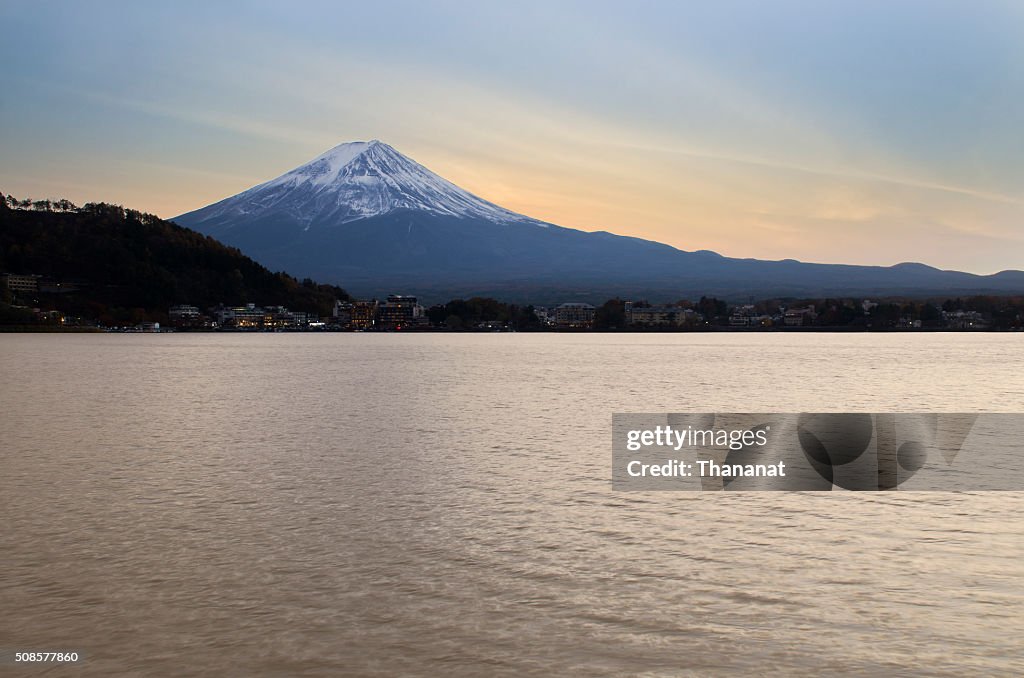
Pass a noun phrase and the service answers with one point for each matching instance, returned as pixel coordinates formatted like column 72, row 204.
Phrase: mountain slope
column 366, row 216
column 125, row 262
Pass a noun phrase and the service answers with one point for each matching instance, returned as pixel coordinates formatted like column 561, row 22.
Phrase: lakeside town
column 404, row 312
column 400, row 312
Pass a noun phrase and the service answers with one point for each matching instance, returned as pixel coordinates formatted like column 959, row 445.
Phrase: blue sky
column 860, row 132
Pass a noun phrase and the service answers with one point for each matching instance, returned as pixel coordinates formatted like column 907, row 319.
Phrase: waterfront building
column 364, row 314
column 545, row 315
column 183, row 312
column 22, row 283
column 400, row 311
column 747, row 316
column 574, row 315
column 248, row 316
column 642, row 313
column 797, row 317
column 965, row 320
column 342, row 314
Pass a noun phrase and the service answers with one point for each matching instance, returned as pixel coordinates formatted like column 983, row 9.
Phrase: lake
column 441, row 504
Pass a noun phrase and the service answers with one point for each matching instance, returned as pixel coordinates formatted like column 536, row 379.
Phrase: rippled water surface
column 441, row 504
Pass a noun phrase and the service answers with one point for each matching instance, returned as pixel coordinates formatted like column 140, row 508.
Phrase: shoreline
column 26, row 329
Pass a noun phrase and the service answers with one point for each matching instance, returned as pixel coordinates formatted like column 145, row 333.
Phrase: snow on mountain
column 359, row 180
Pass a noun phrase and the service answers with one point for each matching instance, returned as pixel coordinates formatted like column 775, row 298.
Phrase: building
column 399, row 311
column 22, row 283
column 184, row 315
column 302, row 318
column 248, row 316
column 363, row 315
column 545, row 315
column 183, row 312
column 342, row 314
column 277, row 317
column 640, row 313
column 574, row 315
column 747, row 316
column 965, row 320
column 797, row 317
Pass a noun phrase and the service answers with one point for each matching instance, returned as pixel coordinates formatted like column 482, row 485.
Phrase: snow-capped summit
column 359, row 180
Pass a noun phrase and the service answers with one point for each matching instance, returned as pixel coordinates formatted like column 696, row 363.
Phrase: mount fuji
column 366, row 217
column 359, row 180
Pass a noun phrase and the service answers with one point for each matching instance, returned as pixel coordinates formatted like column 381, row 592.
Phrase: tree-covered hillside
column 124, row 264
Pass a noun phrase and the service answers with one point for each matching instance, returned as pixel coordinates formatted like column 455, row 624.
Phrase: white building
column 183, row 312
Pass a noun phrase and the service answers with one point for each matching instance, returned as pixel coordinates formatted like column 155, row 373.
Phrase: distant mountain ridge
column 367, row 217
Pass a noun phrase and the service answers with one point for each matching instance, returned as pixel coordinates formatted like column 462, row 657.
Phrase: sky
column 849, row 132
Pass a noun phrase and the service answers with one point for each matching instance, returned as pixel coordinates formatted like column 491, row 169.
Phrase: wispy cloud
column 250, row 126
column 841, row 173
